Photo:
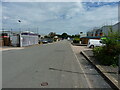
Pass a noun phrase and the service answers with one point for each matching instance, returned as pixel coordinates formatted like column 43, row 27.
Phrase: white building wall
column 89, row 33
column 27, row 40
column 116, row 27
column 105, row 30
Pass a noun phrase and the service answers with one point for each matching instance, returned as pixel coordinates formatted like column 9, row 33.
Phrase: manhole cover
column 44, row 84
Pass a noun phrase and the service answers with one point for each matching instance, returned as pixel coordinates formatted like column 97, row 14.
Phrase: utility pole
column 11, row 30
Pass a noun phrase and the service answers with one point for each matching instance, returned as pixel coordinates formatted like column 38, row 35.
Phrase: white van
column 94, row 43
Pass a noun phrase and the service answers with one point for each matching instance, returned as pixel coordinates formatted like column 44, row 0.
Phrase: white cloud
column 58, row 17
column 5, row 17
column 60, row 1
column 102, row 14
column 0, row 15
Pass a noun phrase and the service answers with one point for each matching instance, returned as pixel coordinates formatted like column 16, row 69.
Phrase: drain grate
column 44, row 83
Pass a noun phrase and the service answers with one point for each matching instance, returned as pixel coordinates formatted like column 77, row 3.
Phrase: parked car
column 94, row 43
column 44, row 41
column 50, row 40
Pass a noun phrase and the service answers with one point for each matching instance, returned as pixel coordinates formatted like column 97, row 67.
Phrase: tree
column 64, row 35
column 46, row 36
column 52, row 34
column 77, row 36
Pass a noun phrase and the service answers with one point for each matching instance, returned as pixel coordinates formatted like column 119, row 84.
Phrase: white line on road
column 90, row 86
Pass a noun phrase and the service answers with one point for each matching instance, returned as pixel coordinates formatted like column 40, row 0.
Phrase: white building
column 28, row 38
column 25, row 38
column 106, row 29
column 116, row 27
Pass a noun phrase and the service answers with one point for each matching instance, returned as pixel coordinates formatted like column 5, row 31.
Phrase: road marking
column 90, row 86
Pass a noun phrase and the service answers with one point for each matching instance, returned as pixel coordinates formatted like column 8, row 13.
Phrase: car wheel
column 92, row 46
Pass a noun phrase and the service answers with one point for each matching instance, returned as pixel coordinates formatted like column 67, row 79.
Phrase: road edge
column 106, row 76
column 90, row 86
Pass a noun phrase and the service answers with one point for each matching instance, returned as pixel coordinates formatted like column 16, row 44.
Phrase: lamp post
column 20, row 25
column 20, row 39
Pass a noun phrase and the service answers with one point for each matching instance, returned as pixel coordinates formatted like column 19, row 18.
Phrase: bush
column 108, row 54
column 76, row 40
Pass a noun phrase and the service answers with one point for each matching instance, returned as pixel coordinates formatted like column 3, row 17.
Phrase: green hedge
column 107, row 56
column 76, row 40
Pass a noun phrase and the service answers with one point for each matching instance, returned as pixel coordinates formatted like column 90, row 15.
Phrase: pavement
column 57, row 65
column 110, row 73
column 78, row 44
column 10, row 48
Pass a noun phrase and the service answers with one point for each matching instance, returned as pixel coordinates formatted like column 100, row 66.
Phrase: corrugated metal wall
column 27, row 40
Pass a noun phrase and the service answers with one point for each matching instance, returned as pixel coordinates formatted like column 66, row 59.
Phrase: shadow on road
column 72, row 71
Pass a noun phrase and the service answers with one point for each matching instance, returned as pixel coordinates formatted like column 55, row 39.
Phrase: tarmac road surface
column 48, row 66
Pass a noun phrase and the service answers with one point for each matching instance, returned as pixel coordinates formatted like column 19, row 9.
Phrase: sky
column 59, row 17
